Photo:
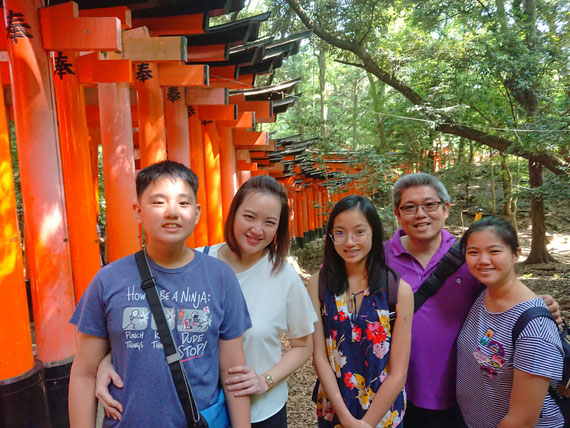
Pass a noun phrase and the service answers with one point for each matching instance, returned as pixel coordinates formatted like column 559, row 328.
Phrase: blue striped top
column 486, row 358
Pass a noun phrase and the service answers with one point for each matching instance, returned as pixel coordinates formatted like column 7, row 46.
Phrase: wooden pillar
column 298, row 218
column 118, row 170
column 15, row 333
column 242, row 177
column 213, row 183
column 177, row 131
column 77, row 178
column 197, row 165
column 94, row 142
column 47, row 246
column 311, row 208
column 150, row 107
column 227, row 169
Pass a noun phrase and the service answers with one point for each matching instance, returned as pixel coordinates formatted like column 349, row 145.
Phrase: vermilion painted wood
column 118, row 170
column 207, row 53
column 91, row 69
column 174, row 25
column 206, row 96
column 227, row 169
column 94, row 143
column 310, row 206
column 89, row 34
column 242, row 82
column 244, row 120
column 150, row 107
column 245, row 139
column 213, row 183
column 197, row 165
column 16, row 337
column 177, row 132
column 47, row 246
column 173, row 74
column 218, row 112
column 122, row 13
column 261, row 108
column 243, row 176
column 80, row 199
column 242, row 165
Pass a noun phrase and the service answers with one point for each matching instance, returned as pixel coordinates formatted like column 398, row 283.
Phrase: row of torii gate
column 142, row 82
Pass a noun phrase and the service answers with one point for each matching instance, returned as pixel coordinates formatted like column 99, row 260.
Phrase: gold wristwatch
column 269, row 380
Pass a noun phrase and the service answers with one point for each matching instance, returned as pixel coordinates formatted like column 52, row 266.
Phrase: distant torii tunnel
column 139, row 82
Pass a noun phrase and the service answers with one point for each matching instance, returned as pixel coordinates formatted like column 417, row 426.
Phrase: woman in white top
column 257, row 242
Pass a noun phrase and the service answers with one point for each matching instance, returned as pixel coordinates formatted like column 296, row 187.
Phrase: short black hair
column 279, row 247
column 168, row 169
column 501, row 227
column 334, row 268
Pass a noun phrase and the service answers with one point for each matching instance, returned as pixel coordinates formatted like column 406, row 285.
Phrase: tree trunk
column 322, row 61
column 510, row 206
column 355, row 114
column 538, row 251
column 377, row 94
column 469, row 168
column 492, row 173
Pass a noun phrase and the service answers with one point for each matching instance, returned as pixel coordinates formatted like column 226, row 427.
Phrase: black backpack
column 562, row 394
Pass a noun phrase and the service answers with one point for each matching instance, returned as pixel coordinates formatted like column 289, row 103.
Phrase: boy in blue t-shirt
column 203, row 303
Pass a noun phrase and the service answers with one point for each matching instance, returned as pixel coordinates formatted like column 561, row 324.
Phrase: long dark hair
column 334, row 268
column 278, row 247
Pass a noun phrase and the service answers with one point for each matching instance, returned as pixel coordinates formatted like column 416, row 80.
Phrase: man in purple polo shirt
column 421, row 204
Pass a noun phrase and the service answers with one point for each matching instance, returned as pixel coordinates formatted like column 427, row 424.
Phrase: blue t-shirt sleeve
column 89, row 315
column 538, row 350
column 236, row 315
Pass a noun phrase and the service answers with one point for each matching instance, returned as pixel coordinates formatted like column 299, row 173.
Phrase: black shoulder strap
column 392, row 290
column 206, row 249
column 526, row 317
column 521, row 323
column 148, row 284
column 446, row 267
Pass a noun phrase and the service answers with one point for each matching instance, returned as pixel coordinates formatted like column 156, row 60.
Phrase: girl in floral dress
column 361, row 363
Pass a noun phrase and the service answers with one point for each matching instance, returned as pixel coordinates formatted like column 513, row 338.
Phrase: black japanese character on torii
column 16, row 28
column 173, row 94
column 144, row 72
column 61, row 66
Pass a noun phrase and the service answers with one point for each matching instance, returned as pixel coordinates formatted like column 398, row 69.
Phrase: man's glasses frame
column 428, row 207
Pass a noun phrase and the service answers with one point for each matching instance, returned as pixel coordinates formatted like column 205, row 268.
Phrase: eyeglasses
column 428, row 207
column 340, row 237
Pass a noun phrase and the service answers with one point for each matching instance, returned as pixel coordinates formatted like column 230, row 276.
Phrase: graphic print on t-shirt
column 190, row 317
column 490, row 364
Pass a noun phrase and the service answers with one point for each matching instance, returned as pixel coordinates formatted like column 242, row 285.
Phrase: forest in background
column 405, row 85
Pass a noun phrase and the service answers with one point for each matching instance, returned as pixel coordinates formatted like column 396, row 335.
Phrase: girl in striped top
column 499, row 384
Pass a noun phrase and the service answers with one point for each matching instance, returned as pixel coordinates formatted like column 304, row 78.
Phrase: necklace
column 356, row 294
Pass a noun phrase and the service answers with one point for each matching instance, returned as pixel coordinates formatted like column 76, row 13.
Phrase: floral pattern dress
column 358, row 347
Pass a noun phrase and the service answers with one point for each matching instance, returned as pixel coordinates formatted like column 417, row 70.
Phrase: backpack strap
column 206, row 249
column 392, row 290
column 526, row 317
column 446, row 267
